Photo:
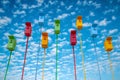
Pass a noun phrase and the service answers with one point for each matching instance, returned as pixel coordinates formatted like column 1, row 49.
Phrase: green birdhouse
column 57, row 26
column 11, row 43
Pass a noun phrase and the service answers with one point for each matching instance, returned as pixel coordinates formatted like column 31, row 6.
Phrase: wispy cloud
column 103, row 22
column 63, row 16
column 4, row 21
column 1, row 10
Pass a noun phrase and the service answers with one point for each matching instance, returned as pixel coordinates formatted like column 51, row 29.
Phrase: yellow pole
column 82, row 56
column 111, row 68
column 43, row 64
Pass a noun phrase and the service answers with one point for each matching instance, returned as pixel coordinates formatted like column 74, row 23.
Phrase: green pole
column 8, row 65
column 56, row 56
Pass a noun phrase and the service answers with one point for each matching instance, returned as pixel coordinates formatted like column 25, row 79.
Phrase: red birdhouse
column 28, row 29
column 73, row 39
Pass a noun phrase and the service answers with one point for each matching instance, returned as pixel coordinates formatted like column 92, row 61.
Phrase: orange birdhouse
column 44, row 40
column 79, row 22
column 108, row 44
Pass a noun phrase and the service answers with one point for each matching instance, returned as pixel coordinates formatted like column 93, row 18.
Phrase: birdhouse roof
column 28, row 23
column 109, row 38
column 79, row 17
column 57, row 21
column 73, row 31
column 45, row 33
column 11, row 37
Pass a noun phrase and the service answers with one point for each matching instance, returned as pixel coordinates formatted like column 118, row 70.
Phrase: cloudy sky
column 14, row 14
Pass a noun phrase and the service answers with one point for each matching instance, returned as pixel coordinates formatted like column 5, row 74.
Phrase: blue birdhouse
column 41, row 19
column 94, row 31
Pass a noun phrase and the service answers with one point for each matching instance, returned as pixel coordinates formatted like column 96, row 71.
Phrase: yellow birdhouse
column 44, row 39
column 79, row 22
column 108, row 44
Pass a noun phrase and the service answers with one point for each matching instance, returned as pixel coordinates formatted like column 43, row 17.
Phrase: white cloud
column 18, row 54
column 90, row 3
column 20, row 35
column 33, row 6
column 4, row 21
column 70, row 29
column 6, row 34
column 49, row 38
column 104, row 22
column 92, row 14
column 113, row 31
column 109, row 11
column 63, row 16
column 39, row 1
column 36, row 21
column 20, row 40
column 62, row 39
column 78, row 2
column 52, row 2
column 5, row 1
column 24, row 6
column 113, row 18
column 34, row 45
column 50, row 23
column 1, row 10
column 96, row 5
column 18, row 12
column 73, row 24
column 69, row 7
column 58, row 10
column 63, row 43
column 50, row 31
column 99, row 42
column 62, row 3
column 42, row 30
column 2, row 57
column 96, row 21
column 87, row 24
column 72, row 13
column 64, row 33
column 104, row 31
column 67, row 56
column 18, row 1
column 53, row 52
column 20, row 48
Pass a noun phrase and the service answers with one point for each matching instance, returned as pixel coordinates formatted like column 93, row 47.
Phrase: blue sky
column 14, row 14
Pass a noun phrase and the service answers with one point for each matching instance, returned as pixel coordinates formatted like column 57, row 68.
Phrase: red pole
column 24, row 58
column 74, row 64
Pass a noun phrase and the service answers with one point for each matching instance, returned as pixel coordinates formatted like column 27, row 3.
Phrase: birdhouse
column 28, row 29
column 79, row 22
column 73, row 39
column 108, row 44
column 41, row 19
column 11, row 43
column 57, row 26
column 44, row 39
column 94, row 32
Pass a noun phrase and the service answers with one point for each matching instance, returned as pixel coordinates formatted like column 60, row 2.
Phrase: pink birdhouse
column 73, row 39
column 28, row 29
